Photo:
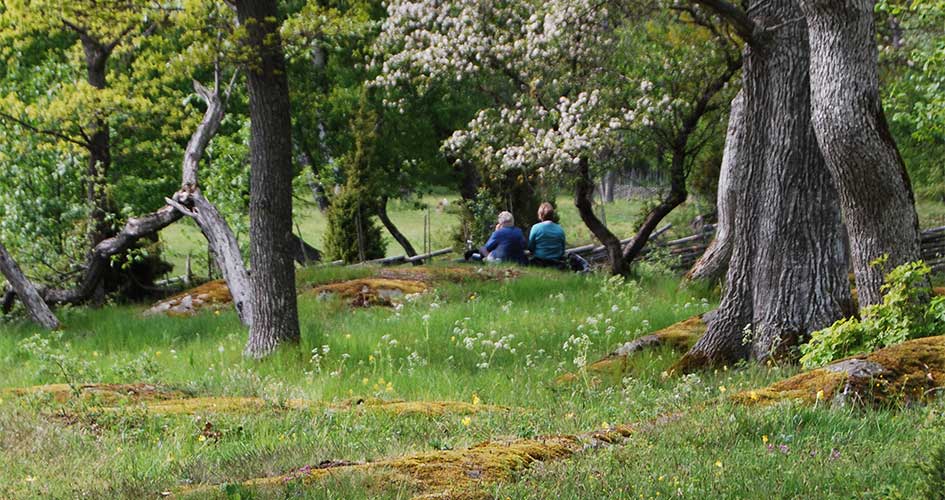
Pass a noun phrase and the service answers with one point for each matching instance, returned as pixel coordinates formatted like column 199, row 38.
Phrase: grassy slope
column 715, row 451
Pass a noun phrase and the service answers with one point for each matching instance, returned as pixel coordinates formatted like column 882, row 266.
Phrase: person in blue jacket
column 546, row 240
column 507, row 243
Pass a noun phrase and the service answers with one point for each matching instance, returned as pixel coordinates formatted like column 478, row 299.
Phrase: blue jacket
column 546, row 241
column 507, row 245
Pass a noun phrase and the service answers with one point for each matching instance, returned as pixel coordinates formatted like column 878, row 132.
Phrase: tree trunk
column 26, row 291
column 678, row 172
column 714, row 262
column 607, row 183
column 394, row 231
column 99, row 148
column 188, row 201
column 875, row 193
column 275, row 312
column 584, row 201
column 787, row 274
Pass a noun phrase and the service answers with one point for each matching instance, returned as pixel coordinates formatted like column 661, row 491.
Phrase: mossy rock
column 366, row 292
column 213, row 295
column 910, row 372
column 611, row 368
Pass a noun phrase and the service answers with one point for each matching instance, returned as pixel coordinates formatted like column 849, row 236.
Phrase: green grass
column 714, row 450
column 622, row 217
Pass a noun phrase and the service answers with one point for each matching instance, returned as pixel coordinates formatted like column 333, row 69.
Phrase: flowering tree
column 570, row 88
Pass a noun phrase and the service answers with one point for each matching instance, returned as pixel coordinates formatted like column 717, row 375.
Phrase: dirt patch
column 101, row 393
column 680, row 336
column 910, row 372
column 366, row 292
column 454, row 474
column 213, row 294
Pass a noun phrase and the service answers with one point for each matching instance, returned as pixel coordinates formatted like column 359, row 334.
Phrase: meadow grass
column 501, row 342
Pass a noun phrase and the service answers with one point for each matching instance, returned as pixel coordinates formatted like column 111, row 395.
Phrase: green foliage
column 905, row 313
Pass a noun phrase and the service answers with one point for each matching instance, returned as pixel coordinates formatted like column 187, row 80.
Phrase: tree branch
column 739, row 20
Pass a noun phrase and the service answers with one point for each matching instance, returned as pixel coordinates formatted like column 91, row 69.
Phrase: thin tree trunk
column 99, row 148
column 584, row 201
column 787, row 274
column 187, row 201
column 875, row 192
column 394, row 231
column 714, row 262
column 34, row 303
column 275, row 312
column 677, row 191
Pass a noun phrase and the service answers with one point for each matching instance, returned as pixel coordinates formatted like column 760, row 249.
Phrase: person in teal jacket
column 546, row 240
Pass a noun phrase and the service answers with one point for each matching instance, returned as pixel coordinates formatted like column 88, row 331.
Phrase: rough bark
column 275, row 312
column 394, row 231
column 875, row 192
column 34, row 303
column 787, row 274
column 714, row 262
column 584, row 201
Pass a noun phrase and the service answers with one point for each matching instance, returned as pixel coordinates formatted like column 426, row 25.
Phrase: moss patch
column 372, row 291
column 102, row 393
column 454, row 474
column 452, row 274
column 159, row 400
column 213, row 294
column 913, row 371
column 679, row 336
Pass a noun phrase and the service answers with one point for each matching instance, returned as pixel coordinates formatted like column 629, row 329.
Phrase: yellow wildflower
column 475, row 399
column 203, row 438
column 820, row 395
column 467, row 421
column 722, row 388
column 764, row 439
column 718, row 463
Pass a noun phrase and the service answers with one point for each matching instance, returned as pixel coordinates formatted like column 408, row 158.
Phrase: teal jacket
column 546, row 241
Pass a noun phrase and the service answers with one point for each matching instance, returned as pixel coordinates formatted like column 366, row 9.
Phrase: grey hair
column 506, row 219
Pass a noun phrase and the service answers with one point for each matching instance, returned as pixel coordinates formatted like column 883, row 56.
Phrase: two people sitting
column 546, row 241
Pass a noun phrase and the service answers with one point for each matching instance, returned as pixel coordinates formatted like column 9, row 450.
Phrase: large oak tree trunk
column 714, row 262
column 875, row 192
column 275, row 312
column 787, row 274
column 26, row 291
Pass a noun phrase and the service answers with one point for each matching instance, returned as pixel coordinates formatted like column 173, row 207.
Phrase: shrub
column 904, row 314
column 353, row 232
